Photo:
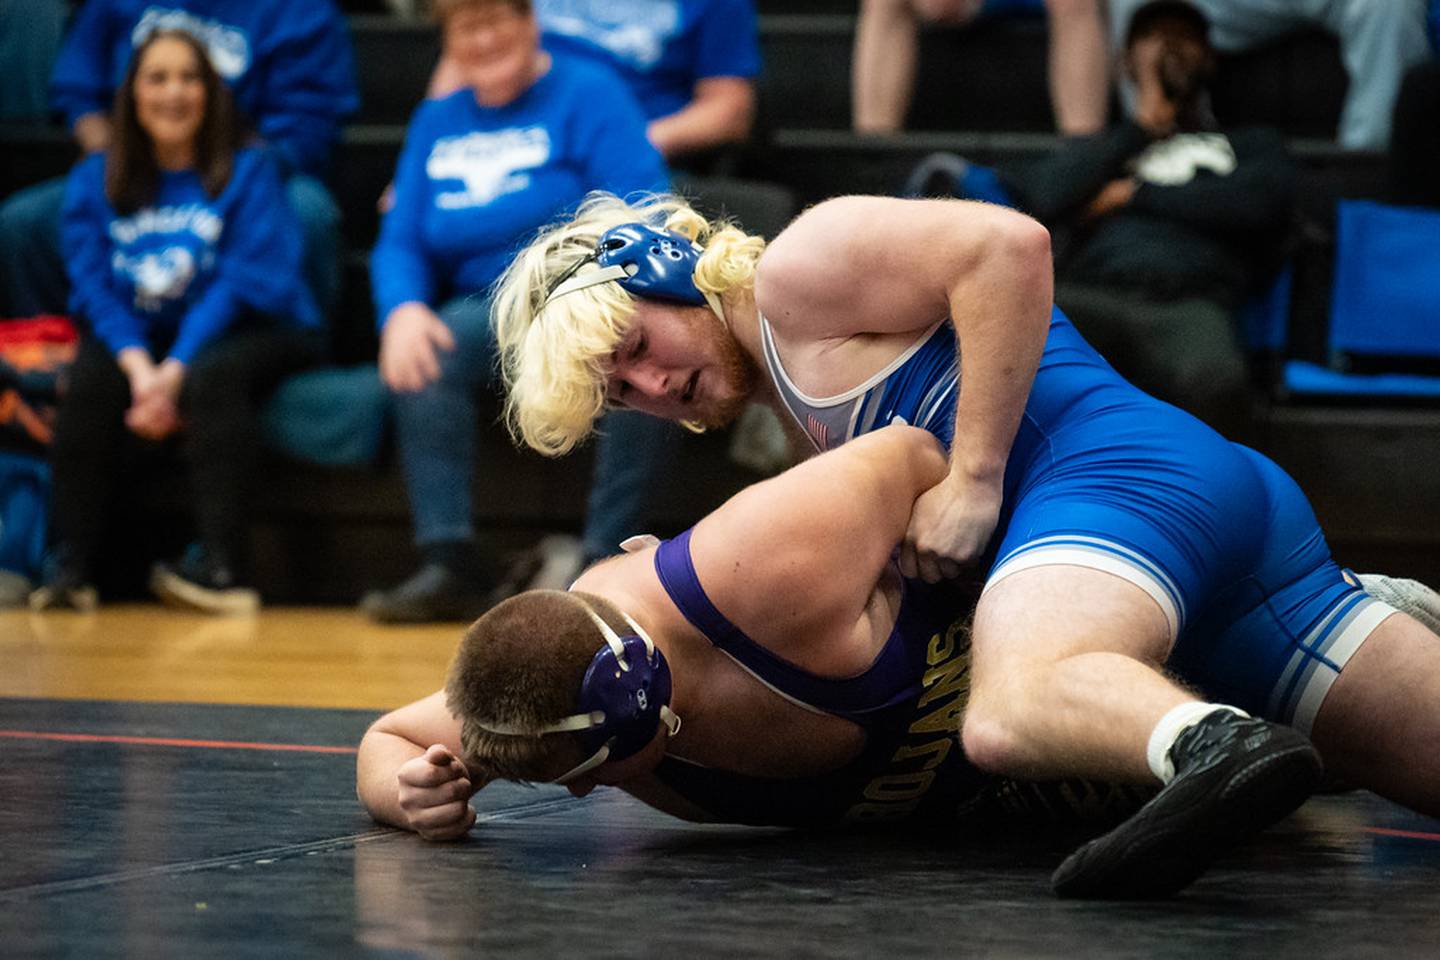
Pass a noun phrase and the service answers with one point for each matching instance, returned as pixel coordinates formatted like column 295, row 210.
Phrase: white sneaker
column 562, row 560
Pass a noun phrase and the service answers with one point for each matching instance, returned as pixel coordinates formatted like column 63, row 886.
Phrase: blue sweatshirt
column 661, row 48
column 289, row 64
column 186, row 267
column 474, row 183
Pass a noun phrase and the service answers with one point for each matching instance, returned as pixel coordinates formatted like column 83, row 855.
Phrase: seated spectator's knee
column 312, row 204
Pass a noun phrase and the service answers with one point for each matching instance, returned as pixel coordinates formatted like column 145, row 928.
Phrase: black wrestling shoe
column 1234, row 777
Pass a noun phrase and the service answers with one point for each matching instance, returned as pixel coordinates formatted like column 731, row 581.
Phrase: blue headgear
column 658, row 264
column 625, row 693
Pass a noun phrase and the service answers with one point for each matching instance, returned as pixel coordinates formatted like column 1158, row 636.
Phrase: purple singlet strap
column 887, row 682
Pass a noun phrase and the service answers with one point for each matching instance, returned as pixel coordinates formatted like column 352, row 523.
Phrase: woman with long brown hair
column 183, row 256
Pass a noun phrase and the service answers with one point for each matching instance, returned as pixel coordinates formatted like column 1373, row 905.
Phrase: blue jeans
column 32, row 266
column 436, row 433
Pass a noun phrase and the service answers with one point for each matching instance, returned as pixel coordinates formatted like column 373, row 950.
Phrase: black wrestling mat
column 154, row 830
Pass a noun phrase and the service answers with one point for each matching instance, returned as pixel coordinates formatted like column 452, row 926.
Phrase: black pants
column 1182, row 351
column 1415, row 139
column 224, row 391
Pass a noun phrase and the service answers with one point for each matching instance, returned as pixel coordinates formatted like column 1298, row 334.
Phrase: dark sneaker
column 437, row 594
column 203, row 580
column 432, row 594
column 66, row 586
column 1234, row 777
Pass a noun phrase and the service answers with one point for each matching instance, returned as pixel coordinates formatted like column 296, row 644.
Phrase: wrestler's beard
column 739, row 374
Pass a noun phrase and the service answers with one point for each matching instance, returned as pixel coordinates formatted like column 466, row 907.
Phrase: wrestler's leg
column 1379, row 726
column 1065, row 676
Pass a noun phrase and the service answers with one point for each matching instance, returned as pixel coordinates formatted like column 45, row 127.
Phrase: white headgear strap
column 595, row 718
column 593, row 278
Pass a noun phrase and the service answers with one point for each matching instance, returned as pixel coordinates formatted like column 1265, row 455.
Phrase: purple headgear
column 625, row 693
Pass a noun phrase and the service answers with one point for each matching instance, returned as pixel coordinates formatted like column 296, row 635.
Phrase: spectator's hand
column 92, row 132
column 1116, row 194
column 152, row 414
column 1155, row 109
column 153, row 421
column 435, row 791
column 408, row 343
column 950, row 527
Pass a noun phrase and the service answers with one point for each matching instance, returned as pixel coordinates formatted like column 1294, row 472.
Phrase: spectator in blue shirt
column 690, row 63
column 183, row 259
column 521, row 141
column 290, row 70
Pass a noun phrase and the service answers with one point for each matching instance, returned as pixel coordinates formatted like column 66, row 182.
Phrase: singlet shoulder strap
column 856, row 698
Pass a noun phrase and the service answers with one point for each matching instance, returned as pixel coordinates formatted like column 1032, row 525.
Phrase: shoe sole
column 176, row 591
column 1168, row 856
column 80, row 600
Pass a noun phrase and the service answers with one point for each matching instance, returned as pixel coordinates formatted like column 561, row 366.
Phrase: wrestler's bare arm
column 859, row 266
column 801, row 553
column 408, row 772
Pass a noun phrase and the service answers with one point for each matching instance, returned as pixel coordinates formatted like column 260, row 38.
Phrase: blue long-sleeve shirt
column 473, row 183
column 661, row 48
column 185, row 268
column 288, row 64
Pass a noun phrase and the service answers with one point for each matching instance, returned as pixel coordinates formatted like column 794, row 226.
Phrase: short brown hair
column 521, row 665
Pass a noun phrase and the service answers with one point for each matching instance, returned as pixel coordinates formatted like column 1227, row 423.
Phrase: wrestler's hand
column 949, row 527
column 435, row 791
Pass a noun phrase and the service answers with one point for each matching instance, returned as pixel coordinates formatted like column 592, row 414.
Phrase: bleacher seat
column 1384, row 319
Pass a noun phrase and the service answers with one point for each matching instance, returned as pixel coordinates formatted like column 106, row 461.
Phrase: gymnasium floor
column 180, row 786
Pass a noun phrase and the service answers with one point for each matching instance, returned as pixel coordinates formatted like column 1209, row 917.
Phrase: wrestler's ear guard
column 625, row 693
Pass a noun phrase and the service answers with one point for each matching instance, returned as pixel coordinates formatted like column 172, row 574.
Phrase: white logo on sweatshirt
column 490, row 164
column 159, row 276
column 1175, row 161
column 634, row 31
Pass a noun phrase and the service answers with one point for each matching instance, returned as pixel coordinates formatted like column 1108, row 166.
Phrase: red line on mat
column 170, row 742
column 1408, row 834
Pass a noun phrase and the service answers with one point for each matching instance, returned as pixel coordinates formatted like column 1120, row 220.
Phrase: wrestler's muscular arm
column 795, row 561
column 409, row 774
column 859, row 277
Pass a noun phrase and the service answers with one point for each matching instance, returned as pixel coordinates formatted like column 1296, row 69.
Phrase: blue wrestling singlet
column 909, row 703
column 1102, row 475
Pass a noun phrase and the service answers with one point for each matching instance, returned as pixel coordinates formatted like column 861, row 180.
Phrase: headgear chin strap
column 646, row 262
column 625, row 692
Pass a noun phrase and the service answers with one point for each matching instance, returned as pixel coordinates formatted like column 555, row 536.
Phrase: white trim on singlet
column 778, row 369
column 774, row 689
column 1316, row 656
column 1095, row 553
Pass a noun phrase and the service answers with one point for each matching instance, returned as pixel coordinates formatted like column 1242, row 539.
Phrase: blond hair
column 555, row 358
column 521, row 666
